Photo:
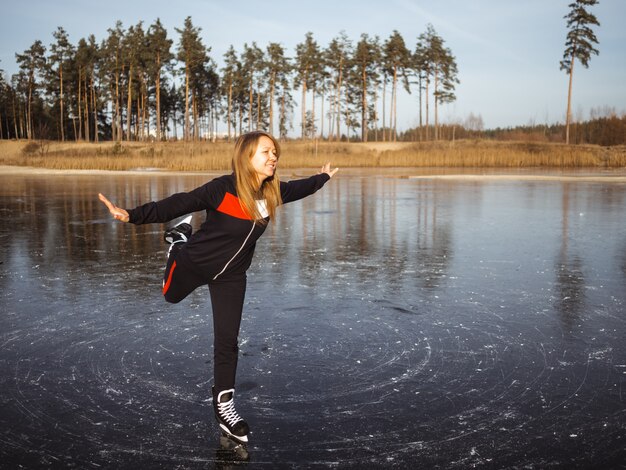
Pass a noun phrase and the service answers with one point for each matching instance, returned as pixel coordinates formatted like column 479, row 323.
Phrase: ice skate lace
column 228, row 413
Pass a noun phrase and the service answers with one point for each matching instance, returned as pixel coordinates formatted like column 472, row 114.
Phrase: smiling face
column 265, row 159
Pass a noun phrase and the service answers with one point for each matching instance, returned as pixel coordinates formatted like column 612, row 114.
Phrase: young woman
column 238, row 207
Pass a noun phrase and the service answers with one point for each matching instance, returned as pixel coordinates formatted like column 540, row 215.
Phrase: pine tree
column 434, row 63
column 133, row 50
column 229, row 74
column 5, row 100
column 86, row 59
column 366, row 59
column 32, row 63
column 159, row 46
column 286, row 103
column 112, row 66
column 252, row 62
column 440, row 64
column 397, row 60
column 93, row 99
column 278, row 68
column 308, row 61
column 60, row 53
column 337, row 55
column 578, row 45
column 421, row 67
column 193, row 54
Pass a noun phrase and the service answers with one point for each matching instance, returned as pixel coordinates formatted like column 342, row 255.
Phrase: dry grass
column 206, row 156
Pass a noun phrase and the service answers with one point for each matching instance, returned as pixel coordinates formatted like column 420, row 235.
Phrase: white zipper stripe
column 235, row 255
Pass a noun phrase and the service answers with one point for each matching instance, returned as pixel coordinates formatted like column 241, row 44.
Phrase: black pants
column 227, row 296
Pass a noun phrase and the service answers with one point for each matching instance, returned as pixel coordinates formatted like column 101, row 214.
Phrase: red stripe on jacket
column 230, row 205
column 169, row 278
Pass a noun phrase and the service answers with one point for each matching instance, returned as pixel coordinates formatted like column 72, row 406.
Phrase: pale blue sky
column 507, row 51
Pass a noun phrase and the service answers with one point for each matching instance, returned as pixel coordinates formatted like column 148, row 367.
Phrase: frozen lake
column 389, row 322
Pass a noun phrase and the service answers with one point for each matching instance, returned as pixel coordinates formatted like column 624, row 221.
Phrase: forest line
column 136, row 84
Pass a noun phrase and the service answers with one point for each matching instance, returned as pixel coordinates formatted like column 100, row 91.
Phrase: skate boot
column 178, row 234
column 226, row 415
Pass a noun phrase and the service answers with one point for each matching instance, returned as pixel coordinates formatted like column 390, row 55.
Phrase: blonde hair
column 247, row 179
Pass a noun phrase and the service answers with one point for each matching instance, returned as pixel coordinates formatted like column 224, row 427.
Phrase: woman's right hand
column 326, row 169
column 117, row 212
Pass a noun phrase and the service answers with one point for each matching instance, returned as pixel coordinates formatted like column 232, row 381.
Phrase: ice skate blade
column 226, row 433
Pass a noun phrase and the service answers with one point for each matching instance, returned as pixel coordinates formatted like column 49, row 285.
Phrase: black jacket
column 226, row 240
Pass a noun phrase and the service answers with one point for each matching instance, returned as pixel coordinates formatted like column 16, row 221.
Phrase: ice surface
column 389, row 322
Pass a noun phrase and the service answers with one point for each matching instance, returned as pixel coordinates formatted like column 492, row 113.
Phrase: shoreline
column 410, row 173
column 531, row 177
column 31, row 170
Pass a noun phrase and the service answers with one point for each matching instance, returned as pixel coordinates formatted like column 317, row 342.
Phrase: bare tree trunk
column 436, row 105
column 61, row 102
column 129, row 105
column 392, row 117
column 250, row 101
column 22, row 114
column 136, row 121
column 419, row 88
column 174, row 125
column 240, row 120
column 303, row 107
column 158, row 98
column 339, row 85
column 384, row 111
column 140, row 125
column 145, row 119
column 29, row 126
column 375, row 114
column 282, row 112
column 186, row 130
column 215, row 123
column 146, row 116
column 230, row 106
column 24, row 122
column 17, row 135
column 86, row 110
column 217, row 120
column 194, row 108
column 258, row 110
column 322, row 118
column 114, row 113
column 94, row 106
column 118, row 117
column 330, row 119
column 76, row 133
column 364, row 106
column 272, row 80
column 568, row 115
column 79, row 108
column 427, row 111
column 313, row 112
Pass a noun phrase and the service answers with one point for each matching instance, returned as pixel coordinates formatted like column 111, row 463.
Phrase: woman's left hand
column 326, row 169
column 117, row 212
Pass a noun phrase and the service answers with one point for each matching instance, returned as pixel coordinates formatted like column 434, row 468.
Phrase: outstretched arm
column 298, row 189
column 117, row 212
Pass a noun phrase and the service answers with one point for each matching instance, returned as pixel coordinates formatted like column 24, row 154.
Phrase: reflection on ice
column 387, row 321
column 230, row 452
